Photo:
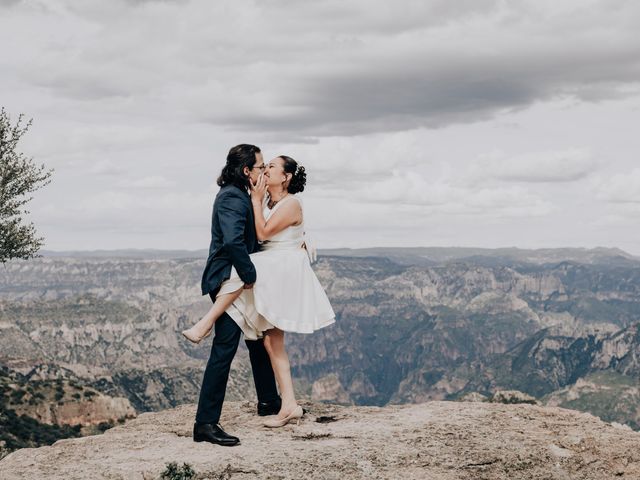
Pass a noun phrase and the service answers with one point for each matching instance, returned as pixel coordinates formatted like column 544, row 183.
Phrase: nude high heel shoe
column 188, row 334
column 295, row 415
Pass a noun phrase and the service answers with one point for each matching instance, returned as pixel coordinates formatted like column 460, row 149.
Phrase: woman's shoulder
column 293, row 209
column 293, row 202
column 287, row 207
column 294, row 199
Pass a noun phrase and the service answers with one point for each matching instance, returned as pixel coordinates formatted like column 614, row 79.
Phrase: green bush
column 173, row 472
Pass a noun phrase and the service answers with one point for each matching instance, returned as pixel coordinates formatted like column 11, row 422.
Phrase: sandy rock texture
column 435, row 440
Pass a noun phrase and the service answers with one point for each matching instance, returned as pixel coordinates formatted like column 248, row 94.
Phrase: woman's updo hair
column 298, row 175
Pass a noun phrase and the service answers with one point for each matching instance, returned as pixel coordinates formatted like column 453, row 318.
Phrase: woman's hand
column 259, row 190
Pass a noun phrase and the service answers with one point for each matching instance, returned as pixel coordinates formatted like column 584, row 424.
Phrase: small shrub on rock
column 174, row 472
column 513, row 397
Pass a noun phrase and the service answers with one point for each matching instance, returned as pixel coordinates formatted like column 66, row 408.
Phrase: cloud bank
column 485, row 121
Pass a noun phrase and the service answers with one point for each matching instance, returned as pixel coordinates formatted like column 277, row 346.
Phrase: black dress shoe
column 269, row 408
column 207, row 432
column 272, row 408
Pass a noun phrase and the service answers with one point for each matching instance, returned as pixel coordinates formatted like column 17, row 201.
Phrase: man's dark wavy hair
column 240, row 156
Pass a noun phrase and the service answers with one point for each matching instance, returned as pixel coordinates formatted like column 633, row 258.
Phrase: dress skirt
column 286, row 295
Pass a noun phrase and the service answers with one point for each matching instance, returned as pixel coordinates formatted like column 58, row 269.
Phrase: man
column 233, row 238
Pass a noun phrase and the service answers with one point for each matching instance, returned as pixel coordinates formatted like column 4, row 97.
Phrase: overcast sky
column 421, row 123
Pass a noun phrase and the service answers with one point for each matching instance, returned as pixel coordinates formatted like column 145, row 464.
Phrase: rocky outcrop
column 58, row 400
column 611, row 396
column 329, row 388
column 597, row 373
column 512, row 397
column 98, row 409
column 439, row 440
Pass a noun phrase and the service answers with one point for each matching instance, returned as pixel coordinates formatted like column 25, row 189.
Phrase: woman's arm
column 288, row 214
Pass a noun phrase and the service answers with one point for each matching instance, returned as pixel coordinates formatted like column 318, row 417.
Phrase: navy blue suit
column 233, row 238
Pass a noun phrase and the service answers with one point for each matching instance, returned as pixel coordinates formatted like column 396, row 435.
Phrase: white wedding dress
column 287, row 293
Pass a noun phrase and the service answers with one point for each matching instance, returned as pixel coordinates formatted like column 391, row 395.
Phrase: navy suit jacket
column 233, row 238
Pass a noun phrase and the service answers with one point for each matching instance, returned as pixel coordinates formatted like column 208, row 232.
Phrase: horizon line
column 511, row 247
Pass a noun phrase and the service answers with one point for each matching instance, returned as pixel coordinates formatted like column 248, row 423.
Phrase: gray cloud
column 623, row 188
column 535, row 167
column 336, row 68
column 406, row 93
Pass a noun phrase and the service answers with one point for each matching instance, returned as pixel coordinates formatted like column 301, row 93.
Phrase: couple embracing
column 259, row 277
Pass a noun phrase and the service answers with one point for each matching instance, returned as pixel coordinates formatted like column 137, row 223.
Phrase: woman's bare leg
column 221, row 304
column 274, row 343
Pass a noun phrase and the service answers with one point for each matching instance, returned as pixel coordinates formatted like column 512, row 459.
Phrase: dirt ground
column 435, row 440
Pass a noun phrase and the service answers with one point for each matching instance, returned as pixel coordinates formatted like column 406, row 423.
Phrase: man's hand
column 248, row 286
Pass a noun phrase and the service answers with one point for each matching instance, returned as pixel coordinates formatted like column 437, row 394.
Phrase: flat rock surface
column 435, row 440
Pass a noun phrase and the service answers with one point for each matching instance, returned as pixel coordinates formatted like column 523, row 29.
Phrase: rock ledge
column 435, row 440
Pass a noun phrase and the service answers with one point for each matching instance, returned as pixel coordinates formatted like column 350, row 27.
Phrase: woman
column 287, row 296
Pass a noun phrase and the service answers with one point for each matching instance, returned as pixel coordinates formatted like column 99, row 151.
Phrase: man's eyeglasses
column 261, row 167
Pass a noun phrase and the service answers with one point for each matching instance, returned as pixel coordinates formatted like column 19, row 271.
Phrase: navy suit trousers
column 216, row 374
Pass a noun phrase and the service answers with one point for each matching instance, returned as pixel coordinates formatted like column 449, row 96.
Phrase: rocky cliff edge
column 435, row 440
